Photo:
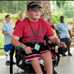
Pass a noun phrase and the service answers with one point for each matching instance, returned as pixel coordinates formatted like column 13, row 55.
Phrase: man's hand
column 28, row 50
column 10, row 33
column 57, row 41
column 62, row 44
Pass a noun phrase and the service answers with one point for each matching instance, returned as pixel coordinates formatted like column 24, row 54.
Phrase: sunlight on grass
column 1, row 52
column 1, row 41
column 1, row 44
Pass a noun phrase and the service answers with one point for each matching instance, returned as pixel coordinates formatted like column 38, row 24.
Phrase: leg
column 7, row 54
column 64, row 50
column 36, row 66
column 68, row 47
column 11, row 61
column 47, row 57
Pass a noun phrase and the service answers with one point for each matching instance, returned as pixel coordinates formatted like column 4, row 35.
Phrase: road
column 66, row 65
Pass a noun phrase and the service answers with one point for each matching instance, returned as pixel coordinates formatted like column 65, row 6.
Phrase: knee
column 35, row 60
column 47, row 57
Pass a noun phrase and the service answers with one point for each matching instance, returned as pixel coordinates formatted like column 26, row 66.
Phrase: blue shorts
column 8, row 47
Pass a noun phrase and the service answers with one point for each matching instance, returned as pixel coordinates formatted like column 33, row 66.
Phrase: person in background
column 7, row 31
column 64, row 34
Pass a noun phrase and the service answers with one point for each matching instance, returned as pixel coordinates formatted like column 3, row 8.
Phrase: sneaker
column 64, row 55
column 69, row 54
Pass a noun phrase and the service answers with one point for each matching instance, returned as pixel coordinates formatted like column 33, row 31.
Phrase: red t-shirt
column 24, row 29
column 18, row 21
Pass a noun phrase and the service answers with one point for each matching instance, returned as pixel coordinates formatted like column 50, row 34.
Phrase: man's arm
column 57, row 41
column 17, row 43
column 5, row 30
column 5, row 33
column 51, row 33
column 70, row 34
column 69, row 30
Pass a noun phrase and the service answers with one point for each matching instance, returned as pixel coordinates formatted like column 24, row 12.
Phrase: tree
column 60, row 3
column 46, row 8
column 12, row 6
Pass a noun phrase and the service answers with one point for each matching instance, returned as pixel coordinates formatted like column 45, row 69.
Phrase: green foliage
column 60, row 3
column 66, row 7
column 1, row 52
column 69, row 9
column 55, row 19
column 12, row 6
column 1, row 41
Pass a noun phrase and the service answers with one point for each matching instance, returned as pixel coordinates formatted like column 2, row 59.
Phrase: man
column 7, row 31
column 33, row 30
column 64, row 34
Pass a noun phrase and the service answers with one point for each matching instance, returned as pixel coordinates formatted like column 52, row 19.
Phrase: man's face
column 34, row 14
column 8, row 19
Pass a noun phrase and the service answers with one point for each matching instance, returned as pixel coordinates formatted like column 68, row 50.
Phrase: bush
column 55, row 19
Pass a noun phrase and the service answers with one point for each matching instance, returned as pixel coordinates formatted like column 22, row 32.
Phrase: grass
column 1, row 44
column 1, row 52
column 1, row 41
